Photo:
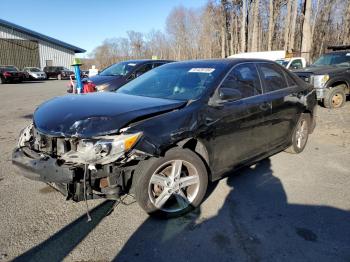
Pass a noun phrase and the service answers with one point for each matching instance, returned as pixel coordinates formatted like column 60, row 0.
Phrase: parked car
column 330, row 75
column 58, row 72
column 10, row 74
column 292, row 63
column 117, row 75
column 33, row 73
column 164, row 135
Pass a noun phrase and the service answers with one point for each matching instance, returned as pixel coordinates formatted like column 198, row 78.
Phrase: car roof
column 142, row 61
column 223, row 61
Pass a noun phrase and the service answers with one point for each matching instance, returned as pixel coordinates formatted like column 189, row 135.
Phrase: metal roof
column 40, row 36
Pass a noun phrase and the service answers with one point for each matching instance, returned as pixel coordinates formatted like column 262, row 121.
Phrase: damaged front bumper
column 104, row 182
column 41, row 168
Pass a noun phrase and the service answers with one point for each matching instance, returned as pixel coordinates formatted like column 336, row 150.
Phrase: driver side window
column 245, row 79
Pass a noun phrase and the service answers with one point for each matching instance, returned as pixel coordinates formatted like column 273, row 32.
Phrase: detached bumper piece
column 36, row 167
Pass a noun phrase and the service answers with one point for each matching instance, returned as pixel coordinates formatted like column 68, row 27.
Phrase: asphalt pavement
column 285, row 208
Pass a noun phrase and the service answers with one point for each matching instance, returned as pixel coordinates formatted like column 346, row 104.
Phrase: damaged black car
column 165, row 135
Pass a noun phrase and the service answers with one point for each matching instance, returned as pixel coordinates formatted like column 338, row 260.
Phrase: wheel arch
column 336, row 83
column 197, row 146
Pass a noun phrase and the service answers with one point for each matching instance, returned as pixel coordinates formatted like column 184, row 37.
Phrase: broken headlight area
column 103, row 150
column 101, row 165
column 74, row 151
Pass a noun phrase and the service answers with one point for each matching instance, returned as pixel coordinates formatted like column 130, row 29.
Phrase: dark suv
column 10, row 74
column 330, row 75
column 117, row 75
column 58, row 72
column 164, row 135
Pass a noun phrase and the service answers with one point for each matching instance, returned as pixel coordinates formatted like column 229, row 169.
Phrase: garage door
column 20, row 53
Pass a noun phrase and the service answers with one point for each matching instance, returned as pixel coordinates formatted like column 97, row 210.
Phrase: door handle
column 265, row 106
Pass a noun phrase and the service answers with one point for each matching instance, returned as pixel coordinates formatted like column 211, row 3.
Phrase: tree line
column 226, row 27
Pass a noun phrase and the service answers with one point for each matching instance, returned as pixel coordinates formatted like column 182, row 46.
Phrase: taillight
column 6, row 74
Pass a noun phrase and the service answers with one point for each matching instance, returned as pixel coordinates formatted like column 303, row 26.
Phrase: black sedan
column 117, row 75
column 10, row 74
column 166, row 134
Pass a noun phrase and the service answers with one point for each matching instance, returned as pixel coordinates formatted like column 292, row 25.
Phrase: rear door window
column 144, row 69
column 272, row 76
column 158, row 64
column 245, row 79
column 290, row 79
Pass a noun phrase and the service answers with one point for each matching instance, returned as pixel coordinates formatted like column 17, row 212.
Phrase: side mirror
column 229, row 94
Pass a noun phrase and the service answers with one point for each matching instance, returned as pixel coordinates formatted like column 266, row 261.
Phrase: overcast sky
column 87, row 23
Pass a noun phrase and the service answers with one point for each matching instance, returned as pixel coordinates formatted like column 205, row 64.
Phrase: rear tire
column 162, row 193
column 300, row 135
column 335, row 97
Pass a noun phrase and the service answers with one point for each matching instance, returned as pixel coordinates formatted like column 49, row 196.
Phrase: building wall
column 60, row 56
column 20, row 53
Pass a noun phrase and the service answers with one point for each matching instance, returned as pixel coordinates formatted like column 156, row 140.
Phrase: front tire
column 335, row 97
column 172, row 185
column 300, row 135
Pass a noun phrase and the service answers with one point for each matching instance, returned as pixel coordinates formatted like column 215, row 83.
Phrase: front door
column 239, row 127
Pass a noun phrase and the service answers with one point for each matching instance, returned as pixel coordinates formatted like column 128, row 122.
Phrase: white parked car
column 292, row 63
column 34, row 73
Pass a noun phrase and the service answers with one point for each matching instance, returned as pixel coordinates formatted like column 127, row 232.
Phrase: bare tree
column 306, row 41
column 244, row 26
column 255, row 31
column 271, row 25
column 287, row 25
column 346, row 39
column 224, row 27
column 293, row 24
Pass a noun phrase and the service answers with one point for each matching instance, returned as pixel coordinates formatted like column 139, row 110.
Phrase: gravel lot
column 286, row 208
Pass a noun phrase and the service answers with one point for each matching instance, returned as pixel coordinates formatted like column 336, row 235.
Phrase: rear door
column 284, row 94
column 239, row 127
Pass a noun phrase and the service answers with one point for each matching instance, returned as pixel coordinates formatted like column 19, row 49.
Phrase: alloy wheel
column 174, row 186
column 302, row 133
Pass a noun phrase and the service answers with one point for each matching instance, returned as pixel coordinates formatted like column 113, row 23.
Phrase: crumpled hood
column 321, row 70
column 114, row 81
column 96, row 114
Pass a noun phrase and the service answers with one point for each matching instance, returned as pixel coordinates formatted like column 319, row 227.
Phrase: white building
column 22, row 47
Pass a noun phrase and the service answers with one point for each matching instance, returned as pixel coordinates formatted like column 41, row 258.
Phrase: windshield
column 175, row 81
column 282, row 62
column 120, row 69
column 333, row 59
column 10, row 68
